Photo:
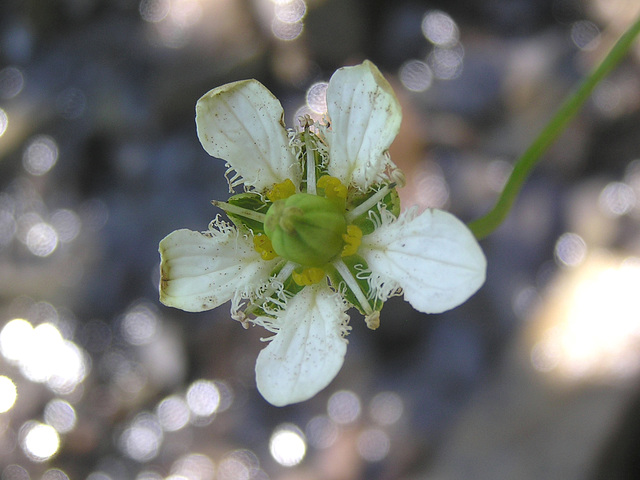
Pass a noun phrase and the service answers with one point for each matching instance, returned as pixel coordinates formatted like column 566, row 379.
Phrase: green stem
column 489, row 222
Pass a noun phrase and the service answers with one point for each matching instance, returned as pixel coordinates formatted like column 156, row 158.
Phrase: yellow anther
column 281, row 190
column 352, row 240
column 333, row 188
column 262, row 245
column 308, row 276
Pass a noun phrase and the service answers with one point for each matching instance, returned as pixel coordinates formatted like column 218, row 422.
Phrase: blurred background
column 537, row 376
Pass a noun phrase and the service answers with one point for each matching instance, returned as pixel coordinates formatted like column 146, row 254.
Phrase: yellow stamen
column 308, row 276
column 262, row 245
column 281, row 190
column 352, row 240
column 333, row 188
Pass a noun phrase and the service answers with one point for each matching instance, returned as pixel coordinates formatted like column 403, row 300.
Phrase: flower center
column 306, row 229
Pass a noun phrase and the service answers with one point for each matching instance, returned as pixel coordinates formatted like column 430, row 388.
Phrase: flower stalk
column 486, row 224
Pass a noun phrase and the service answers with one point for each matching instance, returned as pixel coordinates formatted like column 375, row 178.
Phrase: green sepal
column 391, row 201
column 357, row 266
column 250, row 201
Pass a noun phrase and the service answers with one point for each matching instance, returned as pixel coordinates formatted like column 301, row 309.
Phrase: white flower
column 316, row 231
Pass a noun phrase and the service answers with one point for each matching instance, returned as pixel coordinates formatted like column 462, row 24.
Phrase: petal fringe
column 308, row 349
column 242, row 123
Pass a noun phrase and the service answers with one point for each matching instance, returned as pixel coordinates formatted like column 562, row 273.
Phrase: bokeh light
column 386, row 408
column 570, row 249
column 373, row 444
column 194, row 466
column 287, row 19
column 4, row 121
column 617, row 198
column 287, row 445
column 416, row 75
column 11, row 82
column 15, row 472
column 203, row 398
column 317, row 97
column 321, row 432
column 40, row 442
column 99, row 476
column 40, row 155
column 173, row 413
column 8, row 393
column 154, row 11
column 54, row 474
column 66, row 224
column 585, row 35
column 591, row 324
column 149, row 475
column 439, row 28
column 446, row 63
column 344, row 407
column 42, row 239
column 142, row 439
column 174, row 21
column 286, row 31
column 291, row 11
column 238, row 465
column 43, row 355
column 140, row 324
column 15, row 338
column 60, row 415
column 303, row 112
column 25, row 222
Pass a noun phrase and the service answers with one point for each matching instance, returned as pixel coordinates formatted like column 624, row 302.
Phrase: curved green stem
column 489, row 222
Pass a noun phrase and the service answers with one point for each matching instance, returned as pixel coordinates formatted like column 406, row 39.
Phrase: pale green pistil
column 306, row 229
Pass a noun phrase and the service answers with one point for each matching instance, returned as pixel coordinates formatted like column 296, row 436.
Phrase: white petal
column 242, row 123
column 308, row 350
column 200, row 272
column 434, row 257
column 365, row 118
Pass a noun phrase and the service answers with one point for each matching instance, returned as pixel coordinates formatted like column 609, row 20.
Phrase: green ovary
column 306, row 229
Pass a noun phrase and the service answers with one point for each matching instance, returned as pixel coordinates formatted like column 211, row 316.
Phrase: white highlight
column 40, row 441
column 203, row 398
column 287, row 445
column 43, row 355
column 40, row 155
column 591, row 324
column 8, row 394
